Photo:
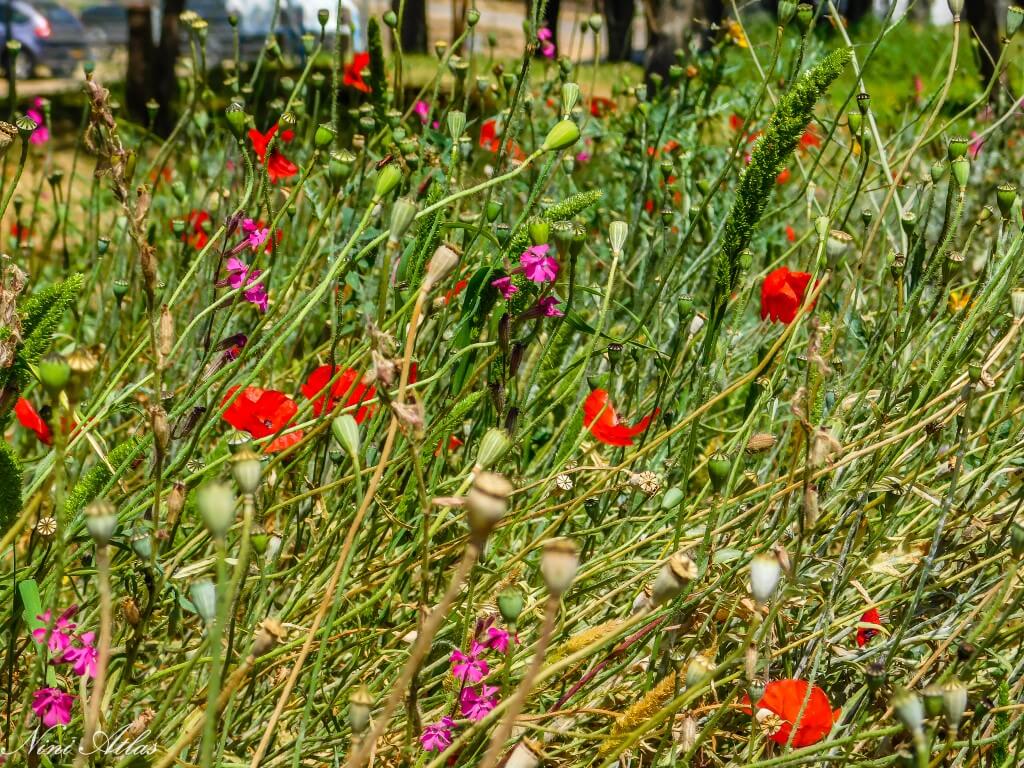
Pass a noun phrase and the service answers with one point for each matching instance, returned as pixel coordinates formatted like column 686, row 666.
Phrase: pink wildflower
column 239, row 274
column 505, row 286
column 422, row 111
column 41, row 134
column 497, row 639
column 469, row 668
column 60, row 636
column 437, row 737
column 537, row 265
column 547, row 48
column 583, row 157
column 53, row 706
column 476, row 705
column 974, row 148
column 549, row 306
column 257, row 235
column 82, row 659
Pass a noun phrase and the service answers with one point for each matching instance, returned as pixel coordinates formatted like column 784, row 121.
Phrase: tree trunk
column 150, row 74
column 619, row 21
column 981, row 15
column 414, row 25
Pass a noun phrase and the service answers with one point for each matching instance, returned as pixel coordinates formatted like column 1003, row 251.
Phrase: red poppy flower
column 29, row 418
column 600, row 418
column 782, row 293
column 453, row 292
column 785, row 699
column 278, row 166
column 790, row 233
column 261, row 413
column 454, row 444
column 347, row 387
column 20, row 233
column 783, row 176
column 354, row 72
column 864, row 634
column 600, row 106
column 195, row 233
column 489, row 140
column 809, row 139
column 735, row 122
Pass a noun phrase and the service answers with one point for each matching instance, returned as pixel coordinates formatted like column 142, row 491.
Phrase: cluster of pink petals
column 52, row 706
column 477, row 704
column 437, row 737
column 547, row 48
column 505, row 287
column 548, row 307
column 469, row 668
column 240, row 275
column 537, row 265
column 59, row 638
column 255, row 234
column 41, row 134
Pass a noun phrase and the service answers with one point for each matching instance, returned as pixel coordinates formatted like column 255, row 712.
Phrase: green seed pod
column 391, row 19
column 908, row 708
column 596, row 21
column 402, row 215
column 961, row 168
column 388, row 178
column 493, row 446
column 854, row 121
column 957, row 147
column 237, row 118
column 323, row 137
column 510, row 604
column 1005, row 195
column 1014, row 18
column 863, row 103
column 672, row 498
column 54, row 373
column 216, row 504
column 246, row 469
column 804, row 17
column 472, row 17
column 570, row 95
column 492, row 210
column 346, row 432
column 786, row 12
column 323, row 16
column 563, row 135
column 259, row 539
column 540, row 231
column 456, row 123
column 718, row 470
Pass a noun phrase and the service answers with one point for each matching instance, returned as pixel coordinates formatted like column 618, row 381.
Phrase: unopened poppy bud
column 954, row 702
column 246, row 469
column 391, row 19
column 216, row 504
column 175, row 503
column 525, row 754
column 442, row 264
column 270, row 634
column 558, row 563
column 672, row 498
column 493, row 446
column 505, row 332
column 360, row 704
column 510, row 604
column 570, row 95
column 54, row 373
column 487, row 503
column 1005, row 196
column 765, row 572
column 456, row 123
column 1014, row 19
column 493, row 210
column 1017, row 539
column 203, row 594
column 515, row 358
column 237, row 118
column 388, row 178
column 617, row 232
column 675, row 574
column 908, row 708
column 699, row 669
column 472, row 17
column 719, row 466
column 540, row 231
column 403, row 212
column 346, row 432
column 563, row 135
column 101, row 521
column 161, row 430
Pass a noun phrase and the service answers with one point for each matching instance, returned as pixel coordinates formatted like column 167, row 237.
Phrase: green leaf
column 10, row 486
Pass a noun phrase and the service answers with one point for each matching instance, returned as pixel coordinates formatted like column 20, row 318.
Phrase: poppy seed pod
column 101, row 521
column 954, row 702
column 26, row 126
column 1014, row 18
column 324, row 135
column 765, row 572
column 525, row 754
column 908, row 708
column 570, row 95
column 346, row 432
column 456, row 123
column 672, row 498
column 390, row 19
column 217, row 507
column 245, row 468
column 540, row 230
column 161, row 430
column 931, row 695
column 203, row 595
column 563, row 135
column 804, row 17
column 617, row 232
column 957, row 147
column 558, row 564
column 175, row 503
column 235, row 113
column 956, row 7
column 388, row 178
column 360, row 703
column 487, row 503
column 7, row 134
column 718, row 470
column 699, row 669
column 442, row 264
column 510, row 604
column 786, row 11
column 493, row 445
column 1005, row 196
column 675, row 574
column 54, row 373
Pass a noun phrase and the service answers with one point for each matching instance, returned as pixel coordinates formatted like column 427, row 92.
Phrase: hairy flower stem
column 518, row 701
column 92, row 717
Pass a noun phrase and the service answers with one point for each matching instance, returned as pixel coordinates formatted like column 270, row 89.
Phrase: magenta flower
column 469, row 668
column 256, row 235
column 505, row 286
column 974, row 148
column 422, row 111
column 498, row 639
column 239, row 274
column 548, row 306
column 40, row 135
column 437, row 737
column 583, row 157
column 53, row 706
column 82, row 659
column 537, row 265
column 547, row 48
column 476, row 705
column 63, row 628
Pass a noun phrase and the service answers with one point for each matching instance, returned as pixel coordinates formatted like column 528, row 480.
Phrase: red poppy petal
column 29, row 418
